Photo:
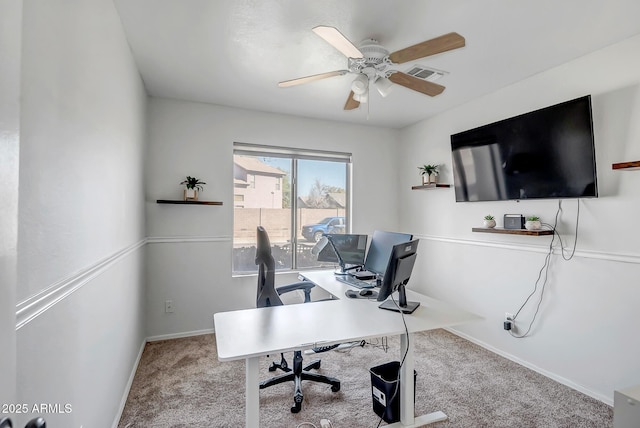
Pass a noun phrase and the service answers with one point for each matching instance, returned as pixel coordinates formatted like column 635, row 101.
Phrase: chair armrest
column 306, row 286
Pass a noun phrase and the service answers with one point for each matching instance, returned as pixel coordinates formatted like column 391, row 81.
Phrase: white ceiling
column 234, row 52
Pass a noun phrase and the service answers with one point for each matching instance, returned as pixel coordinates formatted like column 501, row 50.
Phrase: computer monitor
column 351, row 249
column 380, row 250
column 396, row 277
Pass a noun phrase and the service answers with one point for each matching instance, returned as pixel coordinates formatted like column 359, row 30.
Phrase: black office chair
column 269, row 295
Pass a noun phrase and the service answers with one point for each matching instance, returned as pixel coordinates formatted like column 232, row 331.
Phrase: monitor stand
column 344, row 270
column 402, row 304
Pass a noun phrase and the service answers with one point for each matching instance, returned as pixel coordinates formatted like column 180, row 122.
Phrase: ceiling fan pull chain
column 368, row 102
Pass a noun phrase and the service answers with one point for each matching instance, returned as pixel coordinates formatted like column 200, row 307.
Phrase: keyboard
column 354, row 282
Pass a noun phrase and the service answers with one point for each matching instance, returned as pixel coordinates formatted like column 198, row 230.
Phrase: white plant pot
column 429, row 179
column 490, row 224
column 190, row 194
column 533, row 225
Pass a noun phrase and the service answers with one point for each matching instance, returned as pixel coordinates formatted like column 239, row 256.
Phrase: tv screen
column 547, row 153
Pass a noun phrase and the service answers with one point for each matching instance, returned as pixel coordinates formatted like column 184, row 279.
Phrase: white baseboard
column 123, row 401
column 550, row 375
column 179, row 335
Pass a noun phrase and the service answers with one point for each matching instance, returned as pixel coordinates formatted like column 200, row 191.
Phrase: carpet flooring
column 181, row 383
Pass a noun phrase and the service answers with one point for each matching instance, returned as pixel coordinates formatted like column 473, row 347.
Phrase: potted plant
column 533, row 223
column 489, row 222
column 193, row 185
column 427, row 171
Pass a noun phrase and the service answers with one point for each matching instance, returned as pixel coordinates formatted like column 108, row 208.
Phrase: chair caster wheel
column 335, row 388
column 313, row 366
column 297, row 400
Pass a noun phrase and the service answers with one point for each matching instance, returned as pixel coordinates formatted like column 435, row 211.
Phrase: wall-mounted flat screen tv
column 547, row 153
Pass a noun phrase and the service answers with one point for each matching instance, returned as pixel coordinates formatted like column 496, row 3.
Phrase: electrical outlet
column 168, row 306
column 508, row 323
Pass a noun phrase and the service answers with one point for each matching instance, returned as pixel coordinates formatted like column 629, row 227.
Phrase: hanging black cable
column 545, row 267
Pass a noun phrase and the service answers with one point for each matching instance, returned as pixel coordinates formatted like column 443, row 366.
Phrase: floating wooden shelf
column 626, row 165
column 540, row 232
column 181, row 202
column 430, row 186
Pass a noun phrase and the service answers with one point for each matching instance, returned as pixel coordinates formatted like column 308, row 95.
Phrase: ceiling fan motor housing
column 375, row 61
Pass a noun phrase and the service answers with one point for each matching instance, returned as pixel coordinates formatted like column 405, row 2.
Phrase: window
column 296, row 195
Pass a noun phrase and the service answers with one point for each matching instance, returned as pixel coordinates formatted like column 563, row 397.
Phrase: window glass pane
column 265, row 194
column 321, row 205
column 261, row 201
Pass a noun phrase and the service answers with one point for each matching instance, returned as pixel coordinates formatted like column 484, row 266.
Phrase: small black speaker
column 513, row 221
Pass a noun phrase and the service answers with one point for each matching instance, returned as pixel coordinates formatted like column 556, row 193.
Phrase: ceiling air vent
column 424, row 73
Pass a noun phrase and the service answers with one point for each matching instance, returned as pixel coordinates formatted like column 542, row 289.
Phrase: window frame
column 296, row 154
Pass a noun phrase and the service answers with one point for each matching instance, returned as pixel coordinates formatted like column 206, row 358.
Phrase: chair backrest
column 267, row 294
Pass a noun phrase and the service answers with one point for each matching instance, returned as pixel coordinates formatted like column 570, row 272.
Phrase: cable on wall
column 545, row 267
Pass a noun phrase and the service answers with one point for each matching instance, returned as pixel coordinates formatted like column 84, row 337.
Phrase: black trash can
column 384, row 379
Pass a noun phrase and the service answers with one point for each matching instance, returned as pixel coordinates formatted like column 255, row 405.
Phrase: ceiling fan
column 374, row 65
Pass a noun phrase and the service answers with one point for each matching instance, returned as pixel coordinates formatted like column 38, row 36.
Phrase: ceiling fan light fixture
column 360, row 84
column 383, row 85
column 361, row 98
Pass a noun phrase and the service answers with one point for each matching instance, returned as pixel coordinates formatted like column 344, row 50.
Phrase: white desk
column 251, row 333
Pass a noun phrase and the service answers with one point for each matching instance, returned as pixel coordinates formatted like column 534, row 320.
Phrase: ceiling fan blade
column 301, row 80
column 426, row 87
column 440, row 44
column 336, row 39
column 351, row 103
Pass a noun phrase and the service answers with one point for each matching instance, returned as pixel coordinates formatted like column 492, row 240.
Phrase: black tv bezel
column 586, row 98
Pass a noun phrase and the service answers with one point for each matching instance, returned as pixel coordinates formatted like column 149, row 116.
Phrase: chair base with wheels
column 297, row 375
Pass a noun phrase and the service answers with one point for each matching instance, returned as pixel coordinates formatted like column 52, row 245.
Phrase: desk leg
column 407, row 394
column 252, row 391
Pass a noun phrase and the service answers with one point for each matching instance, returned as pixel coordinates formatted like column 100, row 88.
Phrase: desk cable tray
column 319, row 349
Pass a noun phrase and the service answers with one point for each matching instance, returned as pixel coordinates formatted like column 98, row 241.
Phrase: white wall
column 583, row 335
column 189, row 254
column 80, row 312
column 10, row 46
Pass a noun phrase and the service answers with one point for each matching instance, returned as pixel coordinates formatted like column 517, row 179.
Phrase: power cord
column 381, row 343
column 545, row 268
column 575, row 240
column 324, row 423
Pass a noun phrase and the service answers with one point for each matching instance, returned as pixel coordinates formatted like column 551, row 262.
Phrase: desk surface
column 249, row 333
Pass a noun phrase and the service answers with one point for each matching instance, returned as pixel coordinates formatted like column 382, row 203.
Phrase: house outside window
column 296, row 195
